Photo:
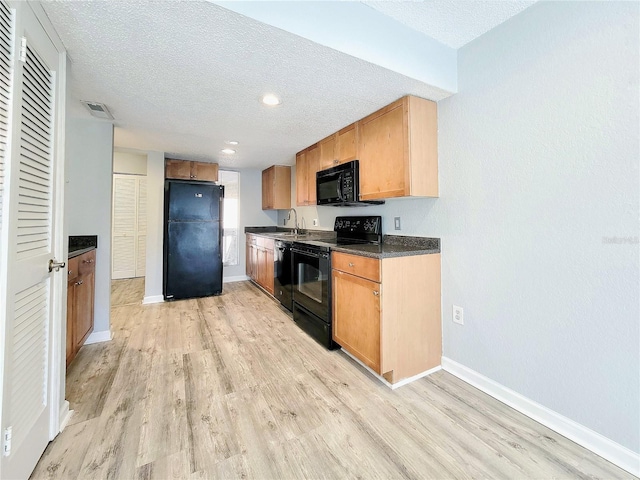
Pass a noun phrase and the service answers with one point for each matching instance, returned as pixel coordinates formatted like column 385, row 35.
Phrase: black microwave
column 340, row 186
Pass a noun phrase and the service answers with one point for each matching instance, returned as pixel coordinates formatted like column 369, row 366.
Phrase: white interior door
column 124, row 227
column 129, row 228
column 30, row 293
column 141, row 230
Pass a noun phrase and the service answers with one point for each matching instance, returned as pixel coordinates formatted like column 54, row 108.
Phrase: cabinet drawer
column 72, row 268
column 364, row 267
column 87, row 262
column 267, row 243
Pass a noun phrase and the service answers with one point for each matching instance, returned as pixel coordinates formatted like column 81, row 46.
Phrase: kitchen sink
column 292, row 235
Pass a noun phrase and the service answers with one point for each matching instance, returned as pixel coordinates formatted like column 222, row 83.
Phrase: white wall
column 129, row 163
column 89, row 157
column 251, row 215
column 539, row 173
column 155, row 231
column 539, row 168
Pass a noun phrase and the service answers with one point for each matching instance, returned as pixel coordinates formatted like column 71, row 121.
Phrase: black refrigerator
column 192, row 239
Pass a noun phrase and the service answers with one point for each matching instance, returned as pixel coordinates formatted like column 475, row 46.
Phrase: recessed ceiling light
column 228, row 151
column 270, row 99
column 231, row 142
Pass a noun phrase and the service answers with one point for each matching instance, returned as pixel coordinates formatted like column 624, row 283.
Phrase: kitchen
column 503, row 189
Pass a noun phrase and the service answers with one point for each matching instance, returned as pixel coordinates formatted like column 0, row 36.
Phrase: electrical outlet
column 315, row 222
column 396, row 221
column 458, row 315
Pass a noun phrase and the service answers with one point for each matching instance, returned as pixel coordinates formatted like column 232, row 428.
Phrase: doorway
column 129, row 227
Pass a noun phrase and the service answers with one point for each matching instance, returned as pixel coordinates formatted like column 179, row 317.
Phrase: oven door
column 311, row 277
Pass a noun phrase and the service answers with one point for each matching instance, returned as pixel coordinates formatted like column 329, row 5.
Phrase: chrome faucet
column 295, row 230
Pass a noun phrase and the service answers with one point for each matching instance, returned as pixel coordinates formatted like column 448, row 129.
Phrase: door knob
column 54, row 265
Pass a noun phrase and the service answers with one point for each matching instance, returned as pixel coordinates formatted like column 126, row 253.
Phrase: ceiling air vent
column 99, row 110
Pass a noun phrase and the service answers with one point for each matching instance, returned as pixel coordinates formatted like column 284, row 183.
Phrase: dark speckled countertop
column 392, row 245
column 80, row 244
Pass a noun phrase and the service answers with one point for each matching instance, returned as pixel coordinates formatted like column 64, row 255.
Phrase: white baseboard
column 392, row 386
column 97, row 337
column 597, row 443
column 237, row 278
column 65, row 415
column 153, row 299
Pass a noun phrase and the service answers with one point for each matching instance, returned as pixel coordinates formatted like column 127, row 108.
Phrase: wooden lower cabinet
column 388, row 316
column 260, row 257
column 356, row 313
column 80, row 301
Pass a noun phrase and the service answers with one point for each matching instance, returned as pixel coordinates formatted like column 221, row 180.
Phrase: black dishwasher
column 283, row 274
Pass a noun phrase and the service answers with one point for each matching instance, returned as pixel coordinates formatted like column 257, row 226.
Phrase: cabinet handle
column 69, row 272
column 80, row 282
column 351, row 264
column 376, row 293
column 336, row 161
column 88, row 261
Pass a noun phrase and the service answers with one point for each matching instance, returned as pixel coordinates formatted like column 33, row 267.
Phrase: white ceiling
column 184, row 76
column 452, row 22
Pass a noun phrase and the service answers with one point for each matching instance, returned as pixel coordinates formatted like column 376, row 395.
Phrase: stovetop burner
column 364, row 230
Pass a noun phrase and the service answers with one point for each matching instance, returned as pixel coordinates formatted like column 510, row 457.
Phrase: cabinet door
column 247, row 258
column 260, row 263
column 268, row 270
column 347, row 144
column 383, row 149
column 71, row 312
column 356, row 317
column 313, row 164
column 327, row 154
column 281, row 198
column 204, row 171
column 268, row 180
column 177, row 169
column 84, row 309
column 301, row 179
column 254, row 263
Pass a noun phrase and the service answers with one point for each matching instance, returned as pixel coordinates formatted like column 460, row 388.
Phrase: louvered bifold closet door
column 124, row 227
column 34, row 221
column 35, row 184
column 141, row 231
column 6, row 84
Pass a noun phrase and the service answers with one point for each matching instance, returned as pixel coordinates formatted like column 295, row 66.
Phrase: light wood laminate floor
column 230, row 387
column 127, row 291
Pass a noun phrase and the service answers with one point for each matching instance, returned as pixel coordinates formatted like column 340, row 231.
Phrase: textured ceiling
column 452, row 22
column 184, row 76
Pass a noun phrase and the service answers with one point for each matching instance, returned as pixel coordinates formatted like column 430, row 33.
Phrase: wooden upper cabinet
column 398, row 150
column 186, row 170
column 307, row 165
column 338, row 148
column 327, row 155
column 301, row 178
column 178, row 169
column 313, row 165
column 276, row 188
column 204, row 171
column 347, row 143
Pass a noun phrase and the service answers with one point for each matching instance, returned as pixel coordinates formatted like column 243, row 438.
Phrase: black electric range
column 312, row 274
